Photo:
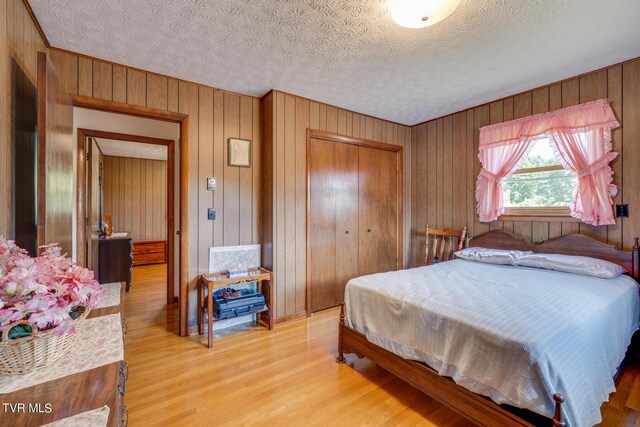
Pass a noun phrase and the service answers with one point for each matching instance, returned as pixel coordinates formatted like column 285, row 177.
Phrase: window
column 541, row 185
column 581, row 134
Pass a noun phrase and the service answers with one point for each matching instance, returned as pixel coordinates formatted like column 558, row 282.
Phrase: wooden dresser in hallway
column 115, row 260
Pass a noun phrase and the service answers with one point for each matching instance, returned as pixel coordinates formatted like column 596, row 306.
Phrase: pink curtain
column 588, row 154
column 497, row 163
column 582, row 136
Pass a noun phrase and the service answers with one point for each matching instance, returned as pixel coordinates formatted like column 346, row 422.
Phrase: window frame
column 551, row 212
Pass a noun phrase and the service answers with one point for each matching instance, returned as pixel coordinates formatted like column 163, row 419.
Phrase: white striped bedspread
column 515, row 334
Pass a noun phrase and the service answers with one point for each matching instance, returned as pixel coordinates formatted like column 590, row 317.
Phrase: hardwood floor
column 284, row 377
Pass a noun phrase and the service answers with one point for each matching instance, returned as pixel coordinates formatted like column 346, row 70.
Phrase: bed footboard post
column 558, row 418
column 340, row 358
column 635, row 258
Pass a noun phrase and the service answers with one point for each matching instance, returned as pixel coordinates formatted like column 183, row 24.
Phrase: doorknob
column 368, row 230
column 346, row 232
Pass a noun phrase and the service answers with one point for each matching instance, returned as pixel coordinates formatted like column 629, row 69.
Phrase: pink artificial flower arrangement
column 48, row 292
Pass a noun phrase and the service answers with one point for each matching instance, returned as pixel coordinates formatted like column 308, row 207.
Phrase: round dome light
column 421, row 13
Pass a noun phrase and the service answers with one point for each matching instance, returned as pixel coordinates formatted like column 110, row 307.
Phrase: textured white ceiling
column 137, row 150
column 350, row 53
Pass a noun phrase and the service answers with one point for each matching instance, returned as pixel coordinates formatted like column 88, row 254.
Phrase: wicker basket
column 25, row 354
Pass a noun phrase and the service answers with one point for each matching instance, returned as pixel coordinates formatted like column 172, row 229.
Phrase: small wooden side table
column 211, row 281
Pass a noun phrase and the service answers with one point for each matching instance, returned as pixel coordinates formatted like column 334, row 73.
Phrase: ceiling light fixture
column 421, row 13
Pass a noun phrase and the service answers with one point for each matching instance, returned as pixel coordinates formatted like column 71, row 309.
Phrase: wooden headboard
column 571, row 244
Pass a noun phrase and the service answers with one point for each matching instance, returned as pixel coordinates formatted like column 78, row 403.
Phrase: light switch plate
column 211, row 184
column 211, row 214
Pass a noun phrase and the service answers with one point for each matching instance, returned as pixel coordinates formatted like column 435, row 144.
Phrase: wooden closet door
column 346, row 184
column 388, row 239
column 322, row 223
column 378, row 208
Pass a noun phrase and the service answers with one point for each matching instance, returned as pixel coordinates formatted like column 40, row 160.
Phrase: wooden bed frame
column 479, row 409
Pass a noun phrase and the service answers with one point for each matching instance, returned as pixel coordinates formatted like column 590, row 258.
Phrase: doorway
column 129, row 183
column 182, row 196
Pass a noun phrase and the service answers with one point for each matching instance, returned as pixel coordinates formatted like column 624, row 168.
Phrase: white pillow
column 573, row 264
column 492, row 256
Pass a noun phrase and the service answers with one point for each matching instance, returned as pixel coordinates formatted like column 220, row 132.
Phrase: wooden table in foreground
column 212, row 281
column 60, row 390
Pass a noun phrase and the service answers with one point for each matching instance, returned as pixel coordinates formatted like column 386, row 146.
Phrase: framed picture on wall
column 239, row 151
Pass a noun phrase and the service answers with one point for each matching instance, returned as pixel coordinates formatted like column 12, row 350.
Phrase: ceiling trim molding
column 36, row 23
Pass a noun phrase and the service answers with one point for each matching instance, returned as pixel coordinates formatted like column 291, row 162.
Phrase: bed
column 483, row 338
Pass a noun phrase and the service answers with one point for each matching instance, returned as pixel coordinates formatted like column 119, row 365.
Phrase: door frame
column 47, row 79
column 81, row 236
column 83, row 252
column 335, row 137
column 183, row 231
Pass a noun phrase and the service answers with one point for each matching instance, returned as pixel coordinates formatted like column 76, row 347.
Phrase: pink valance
column 595, row 114
column 582, row 139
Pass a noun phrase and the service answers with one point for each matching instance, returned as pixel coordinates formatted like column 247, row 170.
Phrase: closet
column 354, row 213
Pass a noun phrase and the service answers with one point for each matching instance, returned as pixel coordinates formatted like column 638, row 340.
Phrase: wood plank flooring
column 286, row 377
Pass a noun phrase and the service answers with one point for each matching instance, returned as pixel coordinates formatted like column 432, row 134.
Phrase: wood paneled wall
column 286, row 119
column 445, row 162
column 215, row 115
column 19, row 46
column 440, row 156
column 135, row 195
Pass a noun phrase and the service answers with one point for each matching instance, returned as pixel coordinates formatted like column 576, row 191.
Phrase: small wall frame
column 239, row 152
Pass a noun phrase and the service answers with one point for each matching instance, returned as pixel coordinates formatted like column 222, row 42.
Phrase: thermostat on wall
column 211, row 184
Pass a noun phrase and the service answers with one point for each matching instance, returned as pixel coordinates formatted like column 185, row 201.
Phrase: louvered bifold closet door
column 378, row 211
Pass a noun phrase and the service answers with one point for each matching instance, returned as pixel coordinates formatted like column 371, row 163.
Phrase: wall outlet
column 211, row 184
column 622, row 211
column 211, row 214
